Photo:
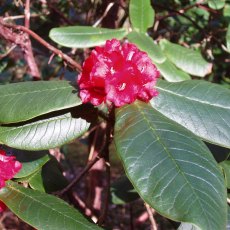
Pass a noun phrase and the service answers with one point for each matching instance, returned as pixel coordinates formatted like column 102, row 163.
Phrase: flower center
column 122, row 86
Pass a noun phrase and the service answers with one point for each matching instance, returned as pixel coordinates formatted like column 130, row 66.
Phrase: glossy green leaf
column 186, row 226
column 84, row 36
column 186, row 59
column 145, row 43
column 49, row 178
column 43, row 211
column 122, row 191
column 169, row 71
column 171, row 169
column 26, row 100
column 141, row 15
column 225, row 165
column 216, row 4
column 201, row 107
column 43, row 134
column 228, row 38
column 31, row 161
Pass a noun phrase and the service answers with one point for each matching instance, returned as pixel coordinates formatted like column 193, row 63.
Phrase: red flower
column 119, row 74
column 2, row 207
column 8, row 168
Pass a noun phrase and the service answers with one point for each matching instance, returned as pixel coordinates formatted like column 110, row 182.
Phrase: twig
column 73, row 64
column 27, row 14
column 109, row 134
column 80, row 176
column 110, row 5
column 23, row 41
column 7, row 52
column 151, row 218
column 20, row 16
column 92, row 149
column 107, row 192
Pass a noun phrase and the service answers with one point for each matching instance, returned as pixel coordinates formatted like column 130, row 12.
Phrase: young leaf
column 84, row 36
column 186, row 59
column 145, row 43
column 24, row 101
column 201, row 107
column 43, row 211
column 141, row 15
column 216, row 4
column 31, row 161
column 49, row 178
column 43, row 134
column 171, row 169
column 171, row 73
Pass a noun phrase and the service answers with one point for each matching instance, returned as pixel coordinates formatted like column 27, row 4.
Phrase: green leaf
column 43, row 134
column 228, row 38
column 186, row 226
column 31, row 161
column 186, row 59
column 49, row 178
column 171, row 73
column 24, row 101
column 145, row 43
column 225, row 165
column 43, row 211
column 216, row 4
column 122, row 191
column 201, row 107
column 170, row 168
column 84, row 36
column 141, row 15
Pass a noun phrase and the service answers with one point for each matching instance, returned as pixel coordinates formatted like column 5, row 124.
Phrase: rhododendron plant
column 143, row 140
column 8, row 168
column 117, row 74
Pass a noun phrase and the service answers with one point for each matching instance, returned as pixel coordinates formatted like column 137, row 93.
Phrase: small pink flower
column 117, row 74
column 8, row 168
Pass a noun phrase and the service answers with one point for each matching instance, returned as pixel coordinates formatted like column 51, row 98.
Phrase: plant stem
column 72, row 63
column 151, row 218
column 80, row 176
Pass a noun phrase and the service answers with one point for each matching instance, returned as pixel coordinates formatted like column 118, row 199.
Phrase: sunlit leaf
column 84, row 36
column 145, row 43
column 201, row 107
column 26, row 100
column 190, row 61
column 43, row 134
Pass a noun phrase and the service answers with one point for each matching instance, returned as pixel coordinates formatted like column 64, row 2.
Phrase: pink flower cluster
column 117, row 74
column 8, row 168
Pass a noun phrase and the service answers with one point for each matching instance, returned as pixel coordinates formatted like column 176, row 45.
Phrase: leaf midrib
column 61, row 34
column 63, row 117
